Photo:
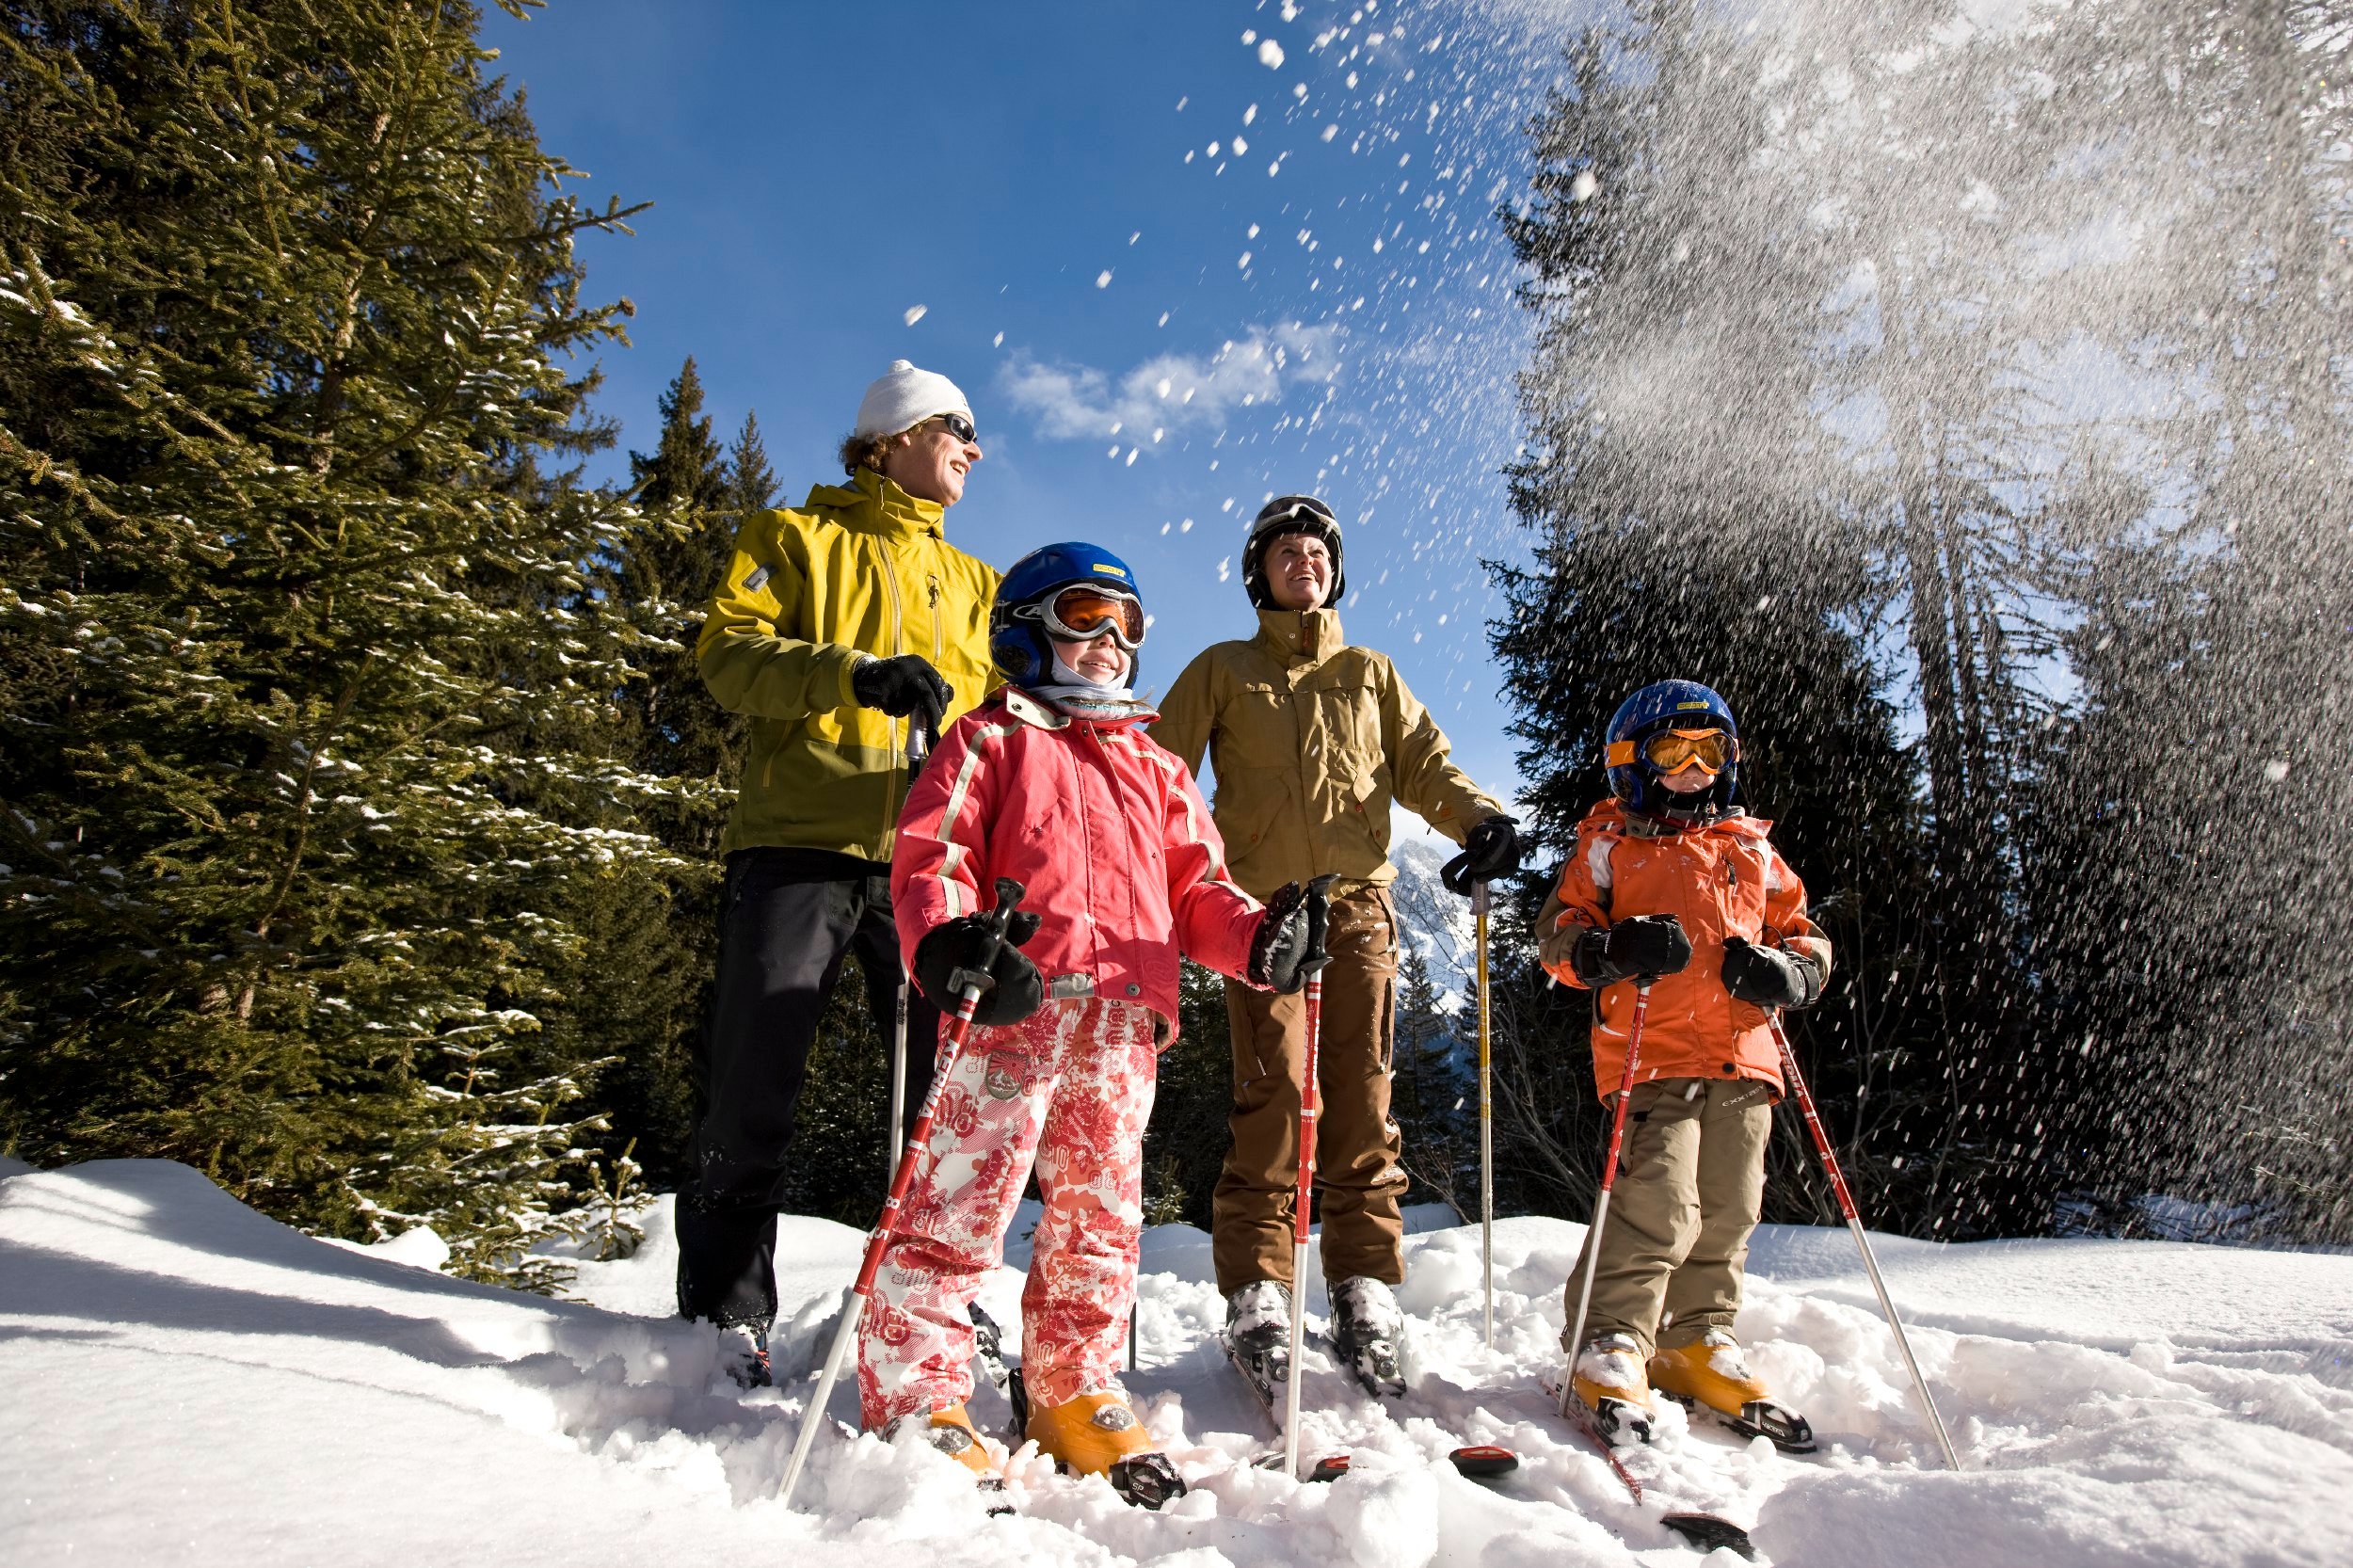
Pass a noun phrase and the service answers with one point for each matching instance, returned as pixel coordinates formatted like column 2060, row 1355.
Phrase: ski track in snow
column 190, row 1381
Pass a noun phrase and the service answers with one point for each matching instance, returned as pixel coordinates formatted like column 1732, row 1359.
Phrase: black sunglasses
column 961, row 428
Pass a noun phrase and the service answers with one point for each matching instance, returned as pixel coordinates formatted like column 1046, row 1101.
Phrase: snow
column 190, row 1381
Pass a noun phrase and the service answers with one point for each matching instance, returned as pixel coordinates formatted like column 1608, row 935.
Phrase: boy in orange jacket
column 1672, row 884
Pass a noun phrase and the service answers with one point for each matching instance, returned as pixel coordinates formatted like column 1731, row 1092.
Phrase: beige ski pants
column 1690, row 1183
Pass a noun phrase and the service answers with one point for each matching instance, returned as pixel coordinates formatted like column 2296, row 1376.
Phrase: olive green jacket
column 1311, row 739
column 858, row 569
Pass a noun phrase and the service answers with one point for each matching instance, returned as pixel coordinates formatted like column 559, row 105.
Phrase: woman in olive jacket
column 1311, row 739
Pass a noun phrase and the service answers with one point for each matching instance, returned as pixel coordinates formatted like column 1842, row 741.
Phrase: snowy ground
column 185, row 1381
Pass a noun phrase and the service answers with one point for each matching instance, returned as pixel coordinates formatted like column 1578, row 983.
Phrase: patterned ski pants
column 1069, row 1088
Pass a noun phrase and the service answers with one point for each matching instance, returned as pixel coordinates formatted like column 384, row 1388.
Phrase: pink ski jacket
column 1103, row 827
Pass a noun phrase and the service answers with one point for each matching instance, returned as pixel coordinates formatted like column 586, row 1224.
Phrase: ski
column 1787, row 1430
column 1705, row 1531
column 1477, row 1460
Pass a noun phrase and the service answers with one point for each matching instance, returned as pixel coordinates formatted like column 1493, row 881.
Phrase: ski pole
column 1854, row 1223
column 1608, row 1180
column 1300, row 1201
column 919, row 747
column 1486, row 1125
column 969, row 984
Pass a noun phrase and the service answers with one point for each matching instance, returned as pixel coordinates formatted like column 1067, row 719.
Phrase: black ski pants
column 785, row 919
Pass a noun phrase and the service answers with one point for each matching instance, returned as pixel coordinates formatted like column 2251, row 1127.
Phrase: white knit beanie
column 906, row 397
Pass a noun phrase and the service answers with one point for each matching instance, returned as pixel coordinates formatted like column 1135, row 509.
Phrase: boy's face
column 1692, row 777
column 1098, row 659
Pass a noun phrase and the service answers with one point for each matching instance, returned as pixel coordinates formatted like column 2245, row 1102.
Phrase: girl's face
column 1098, row 659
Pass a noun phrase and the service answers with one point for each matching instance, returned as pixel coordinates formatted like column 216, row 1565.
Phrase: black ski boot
column 1258, row 1337
column 744, row 1355
column 1366, row 1324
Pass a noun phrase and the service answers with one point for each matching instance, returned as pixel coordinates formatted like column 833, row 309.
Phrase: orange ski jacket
column 1724, row 879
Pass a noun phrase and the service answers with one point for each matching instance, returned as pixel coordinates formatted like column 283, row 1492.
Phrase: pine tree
column 1670, row 542
column 751, row 484
column 290, row 616
column 654, row 947
column 1433, row 1094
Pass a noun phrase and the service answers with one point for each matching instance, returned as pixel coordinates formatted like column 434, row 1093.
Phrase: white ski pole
column 1854, row 1223
column 1486, row 1125
column 972, row 983
column 919, row 747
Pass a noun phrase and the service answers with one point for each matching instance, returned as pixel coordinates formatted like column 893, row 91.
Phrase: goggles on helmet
column 1305, row 507
column 1085, row 611
column 1670, row 749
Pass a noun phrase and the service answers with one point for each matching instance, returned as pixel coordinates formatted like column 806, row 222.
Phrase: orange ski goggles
column 1673, row 750
column 1083, row 612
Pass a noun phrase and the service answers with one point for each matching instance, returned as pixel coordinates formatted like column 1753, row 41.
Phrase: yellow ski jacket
column 1311, row 739
column 857, row 569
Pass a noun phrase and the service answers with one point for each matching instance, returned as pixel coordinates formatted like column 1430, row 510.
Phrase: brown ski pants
column 1691, row 1184
column 1357, row 1144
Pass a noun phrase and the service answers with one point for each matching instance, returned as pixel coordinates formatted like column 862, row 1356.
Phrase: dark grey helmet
column 1291, row 514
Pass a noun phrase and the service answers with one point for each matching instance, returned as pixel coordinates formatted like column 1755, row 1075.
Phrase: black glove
column 900, row 686
column 1640, row 945
column 1490, row 849
column 1769, row 977
column 1017, row 989
column 1289, row 944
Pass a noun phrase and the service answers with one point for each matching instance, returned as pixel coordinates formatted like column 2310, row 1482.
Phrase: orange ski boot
column 1098, row 1434
column 1610, row 1382
column 1710, row 1372
column 951, row 1432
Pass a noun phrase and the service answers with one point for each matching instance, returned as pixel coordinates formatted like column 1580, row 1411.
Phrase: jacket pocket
column 1365, row 807
column 1249, row 803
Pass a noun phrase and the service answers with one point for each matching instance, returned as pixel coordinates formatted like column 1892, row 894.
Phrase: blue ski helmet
column 1669, row 704
column 1018, row 621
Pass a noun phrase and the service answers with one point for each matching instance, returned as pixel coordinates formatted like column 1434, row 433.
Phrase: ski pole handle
column 971, row 984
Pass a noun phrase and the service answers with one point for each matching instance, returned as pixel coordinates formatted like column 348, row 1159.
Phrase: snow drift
column 189, row 1382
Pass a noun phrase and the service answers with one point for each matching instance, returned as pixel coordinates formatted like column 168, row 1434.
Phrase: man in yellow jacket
column 838, row 625
column 1311, row 739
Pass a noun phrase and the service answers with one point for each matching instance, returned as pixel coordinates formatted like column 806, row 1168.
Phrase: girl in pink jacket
column 1055, row 783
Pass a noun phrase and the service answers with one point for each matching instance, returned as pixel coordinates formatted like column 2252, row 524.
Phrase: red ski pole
column 1608, row 1180
column 1300, row 1200
column 969, row 984
column 1854, row 1223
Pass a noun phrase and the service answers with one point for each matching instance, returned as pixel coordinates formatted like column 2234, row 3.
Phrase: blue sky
column 1039, row 182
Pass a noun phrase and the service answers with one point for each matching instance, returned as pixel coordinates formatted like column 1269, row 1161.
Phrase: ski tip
column 1708, row 1531
column 1329, row 1467
column 1485, row 1459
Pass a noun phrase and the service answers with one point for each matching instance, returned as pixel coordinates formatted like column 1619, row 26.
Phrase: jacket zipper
column 891, row 802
